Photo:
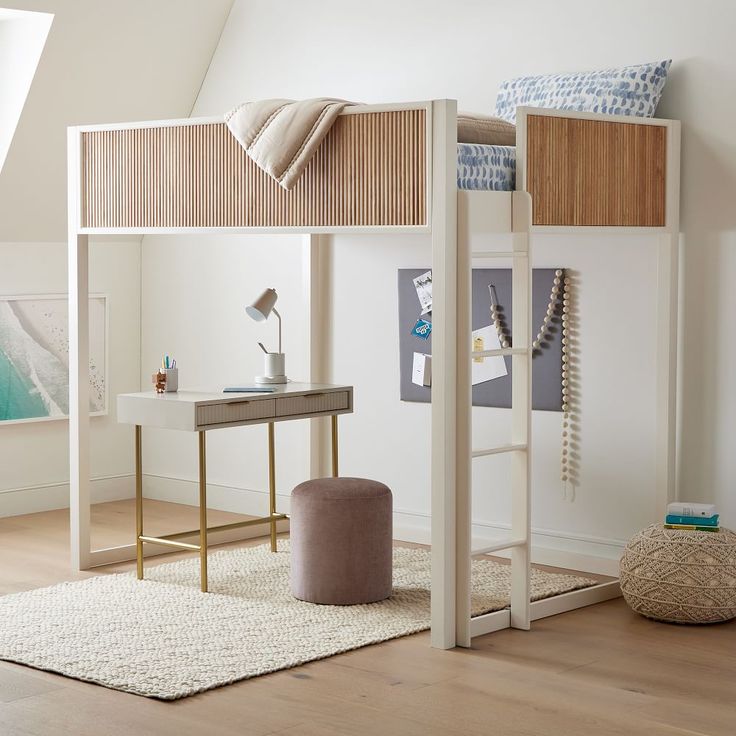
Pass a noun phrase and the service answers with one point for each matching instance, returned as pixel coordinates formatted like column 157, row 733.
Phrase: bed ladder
column 518, row 615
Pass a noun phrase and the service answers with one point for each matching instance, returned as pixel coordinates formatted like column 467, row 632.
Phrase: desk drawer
column 236, row 411
column 312, row 403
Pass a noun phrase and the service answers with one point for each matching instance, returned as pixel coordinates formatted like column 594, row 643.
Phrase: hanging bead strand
column 543, row 332
column 498, row 322
column 561, row 286
column 567, row 395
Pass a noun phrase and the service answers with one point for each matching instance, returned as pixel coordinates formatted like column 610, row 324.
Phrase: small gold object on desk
column 159, row 381
column 166, row 380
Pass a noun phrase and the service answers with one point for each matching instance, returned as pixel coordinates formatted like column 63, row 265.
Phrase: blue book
column 695, row 520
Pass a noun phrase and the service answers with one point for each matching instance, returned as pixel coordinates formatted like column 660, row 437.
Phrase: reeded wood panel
column 593, row 172
column 370, row 170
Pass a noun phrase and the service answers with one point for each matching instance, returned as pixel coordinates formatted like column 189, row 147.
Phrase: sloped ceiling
column 104, row 61
column 22, row 38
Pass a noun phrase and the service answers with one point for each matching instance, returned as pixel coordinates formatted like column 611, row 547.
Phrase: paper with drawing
column 486, row 369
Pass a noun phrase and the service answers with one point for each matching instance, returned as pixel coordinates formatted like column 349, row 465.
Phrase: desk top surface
column 204, row 396
column 196, row 410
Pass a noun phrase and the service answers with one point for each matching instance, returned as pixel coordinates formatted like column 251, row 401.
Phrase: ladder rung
column 500, row 254
column 505, row 544
column 499, row 352
column 499, row 450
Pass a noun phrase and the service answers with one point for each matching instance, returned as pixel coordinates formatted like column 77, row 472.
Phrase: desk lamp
column 275, row 363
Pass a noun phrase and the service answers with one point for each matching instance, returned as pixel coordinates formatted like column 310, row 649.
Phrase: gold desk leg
column 334, row 446
column 202, row 512
column 272, row 484
column 138, row 502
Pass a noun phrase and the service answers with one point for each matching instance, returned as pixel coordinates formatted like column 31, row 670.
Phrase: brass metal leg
column 203, row 512
column 334, row 446
column 272, row 484
column 138, row 502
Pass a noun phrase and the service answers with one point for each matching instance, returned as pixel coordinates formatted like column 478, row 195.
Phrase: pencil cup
column 172, row 380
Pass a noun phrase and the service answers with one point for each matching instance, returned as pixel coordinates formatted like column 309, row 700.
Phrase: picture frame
column 34, row 357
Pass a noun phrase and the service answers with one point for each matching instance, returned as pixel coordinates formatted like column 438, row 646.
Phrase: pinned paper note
column 422, row 329
column 421, row 373
column 423, row 285
column 487, row 368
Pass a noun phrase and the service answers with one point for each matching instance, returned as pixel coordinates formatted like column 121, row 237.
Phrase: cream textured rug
column 163, row 638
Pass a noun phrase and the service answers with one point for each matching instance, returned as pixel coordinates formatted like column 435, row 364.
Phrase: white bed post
column 79, row 472
column 314, row 291
column 464, row 443
column 667, row 330
column 667, row 277
column 521, row 408
column 444, row 370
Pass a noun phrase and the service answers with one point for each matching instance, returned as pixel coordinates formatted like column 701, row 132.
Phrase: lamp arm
column 279, row 318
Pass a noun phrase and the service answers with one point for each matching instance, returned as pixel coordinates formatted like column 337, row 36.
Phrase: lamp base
column 274, row 369
column 271, row 379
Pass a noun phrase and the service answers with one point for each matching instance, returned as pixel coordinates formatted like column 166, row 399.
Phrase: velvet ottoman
column 341, row 548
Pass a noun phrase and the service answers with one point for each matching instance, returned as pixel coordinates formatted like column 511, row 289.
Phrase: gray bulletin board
column 546, row 364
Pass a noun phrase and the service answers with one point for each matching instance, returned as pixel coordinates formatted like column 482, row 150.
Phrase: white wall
column 421, row 49
column 34, row 462
column 194, row 294
column 104, row 61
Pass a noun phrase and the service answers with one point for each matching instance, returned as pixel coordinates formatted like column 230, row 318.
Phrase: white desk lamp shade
column 274, row 363
column 263, row 306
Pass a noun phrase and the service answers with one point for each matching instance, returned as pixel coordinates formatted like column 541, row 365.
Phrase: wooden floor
column 592, row 672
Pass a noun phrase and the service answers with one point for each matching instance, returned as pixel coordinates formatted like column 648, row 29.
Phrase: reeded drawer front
column 312, row 403
column 235, row 412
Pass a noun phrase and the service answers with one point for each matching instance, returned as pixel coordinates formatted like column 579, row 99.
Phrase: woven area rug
column 163, row 638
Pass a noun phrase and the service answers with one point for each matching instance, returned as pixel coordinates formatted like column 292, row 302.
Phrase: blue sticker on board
column 422, row 329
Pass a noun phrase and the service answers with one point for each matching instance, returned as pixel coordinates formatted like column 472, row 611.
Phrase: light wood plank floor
column 593, row 672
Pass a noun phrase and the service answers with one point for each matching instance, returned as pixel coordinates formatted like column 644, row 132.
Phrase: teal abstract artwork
column 34, row 357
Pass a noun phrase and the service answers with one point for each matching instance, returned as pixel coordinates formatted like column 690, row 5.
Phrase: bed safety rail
column 594, row 170
column 371, row 170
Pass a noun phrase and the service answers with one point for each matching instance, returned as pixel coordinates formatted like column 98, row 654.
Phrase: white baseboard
column 51, row 496
column 220, row 497
column 549, row 547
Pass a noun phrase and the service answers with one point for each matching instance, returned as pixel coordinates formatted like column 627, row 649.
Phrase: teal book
column 692, row 528
column 693, row 520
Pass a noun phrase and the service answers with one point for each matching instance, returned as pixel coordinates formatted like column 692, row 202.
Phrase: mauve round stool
column 341, row 531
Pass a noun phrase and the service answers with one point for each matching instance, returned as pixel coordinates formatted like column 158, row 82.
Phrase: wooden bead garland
column 501, row 329
column 563, row 283
column 566, row 468
column 543, row 332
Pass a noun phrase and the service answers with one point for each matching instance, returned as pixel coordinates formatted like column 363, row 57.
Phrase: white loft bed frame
column 453, row 218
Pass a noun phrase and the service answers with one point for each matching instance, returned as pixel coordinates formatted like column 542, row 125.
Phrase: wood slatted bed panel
column 583, row 172
column 371, row 170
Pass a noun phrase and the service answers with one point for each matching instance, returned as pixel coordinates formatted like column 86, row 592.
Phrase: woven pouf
column 685, row 577
column 341, row 541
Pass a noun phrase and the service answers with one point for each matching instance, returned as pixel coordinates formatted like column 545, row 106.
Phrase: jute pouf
column 685, row 577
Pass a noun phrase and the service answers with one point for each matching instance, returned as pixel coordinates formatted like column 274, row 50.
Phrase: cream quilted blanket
column 281, row 136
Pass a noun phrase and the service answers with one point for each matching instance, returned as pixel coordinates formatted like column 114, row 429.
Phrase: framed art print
column 34, row 357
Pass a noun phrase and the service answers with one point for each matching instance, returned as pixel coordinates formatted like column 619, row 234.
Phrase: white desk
column 201, row 412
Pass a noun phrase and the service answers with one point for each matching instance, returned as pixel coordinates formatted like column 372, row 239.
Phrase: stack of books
column 694, row 517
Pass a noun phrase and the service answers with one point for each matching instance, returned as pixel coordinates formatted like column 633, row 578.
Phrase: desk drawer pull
column 312, row 403
column 236, row 411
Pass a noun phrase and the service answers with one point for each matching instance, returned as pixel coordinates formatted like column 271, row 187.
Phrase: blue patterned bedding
column 486, row 167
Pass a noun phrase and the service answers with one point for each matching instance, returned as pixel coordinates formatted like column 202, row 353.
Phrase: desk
column 201, row 412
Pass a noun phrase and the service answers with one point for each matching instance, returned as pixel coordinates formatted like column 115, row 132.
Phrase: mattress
column 485, row 167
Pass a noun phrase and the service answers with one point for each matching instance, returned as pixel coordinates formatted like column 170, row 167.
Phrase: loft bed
column 393, row 169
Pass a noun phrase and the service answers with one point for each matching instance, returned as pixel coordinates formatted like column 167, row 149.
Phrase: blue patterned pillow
column 630, row 90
